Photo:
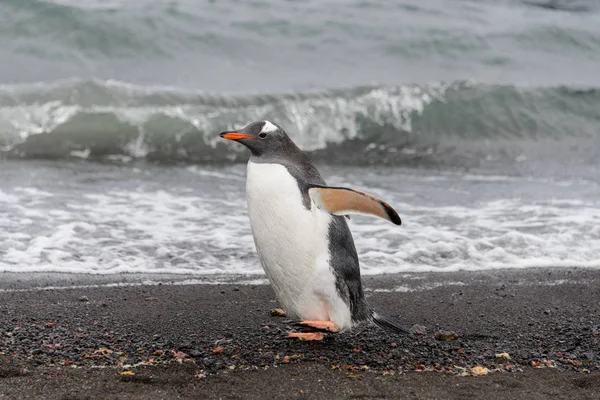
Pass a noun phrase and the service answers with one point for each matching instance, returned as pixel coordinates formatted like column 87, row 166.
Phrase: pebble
column 446, row 335
column 278, row 312
column 418, row 329
column 84, row 299
column 208, row 361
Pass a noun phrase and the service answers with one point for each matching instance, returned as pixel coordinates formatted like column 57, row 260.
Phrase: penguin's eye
column 262, row 135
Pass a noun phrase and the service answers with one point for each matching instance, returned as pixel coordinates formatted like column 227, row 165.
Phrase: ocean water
column 479, row 121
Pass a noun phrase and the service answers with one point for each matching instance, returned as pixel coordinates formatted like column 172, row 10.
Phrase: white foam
column 8, row 198
column 435, row 285
column 491, row 236
column 418, row 288
column 489, row 178
column 135, row 231
column 212, row 281
column 34, row 192
column 81, row 153
column 179, row 230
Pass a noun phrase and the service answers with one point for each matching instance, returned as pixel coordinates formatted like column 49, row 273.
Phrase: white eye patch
column 268, row 127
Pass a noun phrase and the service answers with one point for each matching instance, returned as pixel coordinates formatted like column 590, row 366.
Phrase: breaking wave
column 461, row 122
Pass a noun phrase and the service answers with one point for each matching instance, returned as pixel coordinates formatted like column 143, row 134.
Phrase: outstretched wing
column 342, row 201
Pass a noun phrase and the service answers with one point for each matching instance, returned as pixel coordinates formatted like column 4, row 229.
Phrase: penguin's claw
column 328, row 326
column 306, row 335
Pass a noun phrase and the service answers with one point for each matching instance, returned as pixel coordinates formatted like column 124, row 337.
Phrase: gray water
column 479, row 121
column 231, row 46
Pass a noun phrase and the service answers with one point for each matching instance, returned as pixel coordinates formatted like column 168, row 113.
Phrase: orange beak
column 235, row 136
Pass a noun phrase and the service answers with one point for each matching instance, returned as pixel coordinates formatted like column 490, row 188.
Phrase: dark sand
column 219, row 341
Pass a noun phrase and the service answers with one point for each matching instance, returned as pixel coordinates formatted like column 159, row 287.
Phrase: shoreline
column 208, row 338
column 28, row 281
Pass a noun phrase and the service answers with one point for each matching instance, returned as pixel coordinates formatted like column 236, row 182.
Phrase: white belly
column 292, row 244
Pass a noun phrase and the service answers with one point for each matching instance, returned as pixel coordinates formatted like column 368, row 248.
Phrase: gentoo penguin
column 301, row 235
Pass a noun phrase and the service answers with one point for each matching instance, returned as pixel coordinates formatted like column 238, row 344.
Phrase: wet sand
column 220, row 341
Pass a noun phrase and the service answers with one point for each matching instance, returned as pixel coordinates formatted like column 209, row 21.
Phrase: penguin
column 301, row 235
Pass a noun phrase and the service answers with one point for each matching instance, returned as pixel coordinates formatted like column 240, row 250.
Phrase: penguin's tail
column 387, row 323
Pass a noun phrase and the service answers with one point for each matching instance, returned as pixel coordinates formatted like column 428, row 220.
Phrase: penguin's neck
column 298, row 165
column 271, row 182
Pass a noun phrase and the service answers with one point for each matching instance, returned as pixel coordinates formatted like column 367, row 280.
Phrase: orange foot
column 306, row 335
column 329, row 326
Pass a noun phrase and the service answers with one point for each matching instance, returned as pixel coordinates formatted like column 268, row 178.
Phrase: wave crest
column 441, row 122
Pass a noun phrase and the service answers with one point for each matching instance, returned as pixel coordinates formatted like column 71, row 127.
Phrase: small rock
column 128, row 373
column 195, row 353
column 186, row 345
column 446, row 335
column 418, row 329
column 278, row 312
column 479, row 370
column 84, row 299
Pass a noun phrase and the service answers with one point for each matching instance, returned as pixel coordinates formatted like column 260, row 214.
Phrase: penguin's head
column 262, row 138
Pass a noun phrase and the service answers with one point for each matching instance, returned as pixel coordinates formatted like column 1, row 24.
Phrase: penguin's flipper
column 342, row 201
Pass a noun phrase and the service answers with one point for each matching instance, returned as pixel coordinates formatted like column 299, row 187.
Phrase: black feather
column 392, row 214
column 387, row 323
